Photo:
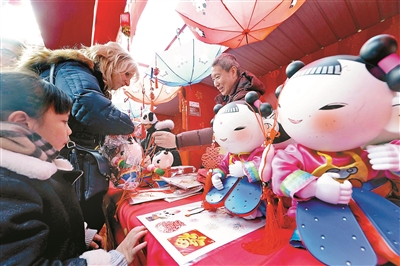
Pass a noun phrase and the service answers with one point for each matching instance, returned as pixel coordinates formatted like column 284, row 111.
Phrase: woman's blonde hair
column 111, row 57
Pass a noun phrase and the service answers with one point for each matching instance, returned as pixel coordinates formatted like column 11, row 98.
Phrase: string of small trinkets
column 130, row 187
column 276, row 213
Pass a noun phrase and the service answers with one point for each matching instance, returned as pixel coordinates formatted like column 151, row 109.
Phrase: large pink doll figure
column 331, row 108
column 386, row 143
column 239, row 129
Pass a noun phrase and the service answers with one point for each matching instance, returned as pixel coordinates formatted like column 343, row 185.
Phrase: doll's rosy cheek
column 326, row 121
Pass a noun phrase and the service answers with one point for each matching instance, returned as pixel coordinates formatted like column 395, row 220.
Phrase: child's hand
column 129, row 246
column 97, row 242
column 146, row 161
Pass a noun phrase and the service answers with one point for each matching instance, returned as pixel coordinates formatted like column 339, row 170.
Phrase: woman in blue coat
column 88, row 75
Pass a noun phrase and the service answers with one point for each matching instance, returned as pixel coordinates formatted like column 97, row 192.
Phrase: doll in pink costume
column 239, row 129
column 332, row 108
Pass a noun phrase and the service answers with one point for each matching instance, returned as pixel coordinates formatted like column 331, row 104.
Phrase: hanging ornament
column 152, row 97
column 156, row 72
column 125, row 21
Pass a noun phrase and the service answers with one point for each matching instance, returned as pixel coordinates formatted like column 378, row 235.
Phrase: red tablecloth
column 229, row 254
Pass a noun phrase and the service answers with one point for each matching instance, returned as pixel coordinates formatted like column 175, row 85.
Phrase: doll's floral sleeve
column 250, row 167
column 288, row 172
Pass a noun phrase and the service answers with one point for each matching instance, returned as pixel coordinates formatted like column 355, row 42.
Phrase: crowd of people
column 51, row 97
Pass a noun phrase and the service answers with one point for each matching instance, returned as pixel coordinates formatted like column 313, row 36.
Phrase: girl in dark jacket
column 88, row 75
column 41, row 222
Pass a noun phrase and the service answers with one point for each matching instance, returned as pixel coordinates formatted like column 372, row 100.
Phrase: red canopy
column 76, row 22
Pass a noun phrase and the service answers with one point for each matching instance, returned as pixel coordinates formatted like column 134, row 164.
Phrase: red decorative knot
column 211, row 158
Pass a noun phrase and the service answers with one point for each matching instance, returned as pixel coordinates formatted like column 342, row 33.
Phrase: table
column 229, row 254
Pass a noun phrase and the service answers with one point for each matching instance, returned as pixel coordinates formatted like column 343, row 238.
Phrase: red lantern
column 125, row 21
column 156, row 72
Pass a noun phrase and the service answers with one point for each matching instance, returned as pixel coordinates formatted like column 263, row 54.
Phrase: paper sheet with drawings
column 188, row 232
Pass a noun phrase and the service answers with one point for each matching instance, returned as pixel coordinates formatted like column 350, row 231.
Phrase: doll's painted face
column 163, row 159
column 131, row 153
column 341, row 109
column 237, row 129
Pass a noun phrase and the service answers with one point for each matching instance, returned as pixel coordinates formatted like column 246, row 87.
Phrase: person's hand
column 164, row 139
column 146, row 161
column 236, row 169
column 97, row 242
column 384, row 157
column 331, row 191
column 216, row 181
column 129, row 247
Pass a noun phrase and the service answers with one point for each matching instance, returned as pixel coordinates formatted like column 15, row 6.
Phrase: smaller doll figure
column 124, row 155
column 332, row 108
column 385, row 143
column 160, row 166
column 161, row 163
column 239, row 129
column 151, row 123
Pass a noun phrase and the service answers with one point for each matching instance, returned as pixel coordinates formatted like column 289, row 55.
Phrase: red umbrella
column 234, row 23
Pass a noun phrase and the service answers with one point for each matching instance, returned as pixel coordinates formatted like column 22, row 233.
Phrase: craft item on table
column 194, row 213
column 184, row 193
column 167, row 193
column 239, row 129
column 160, row 166
column 182, row 169
column 183, row 181
column 162, row 215
column 332, row 108
column 189, row 232
column 140, row 195
column 124, row 155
